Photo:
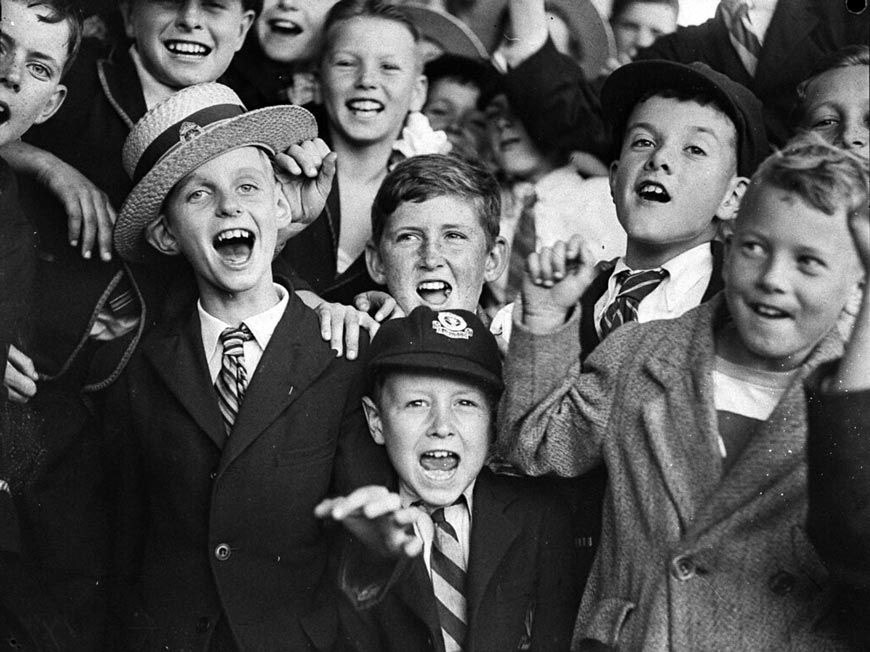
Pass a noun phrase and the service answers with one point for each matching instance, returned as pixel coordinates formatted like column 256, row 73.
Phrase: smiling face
column 452, row 106
column 224, row 218
column 186, row 42
column 290, row 30
column 640, row 24
column 785, row 285
column 436, row 429
column 32, row 56
column 837, row 106
column 514, row 150
column 435, row 253
column 675, row 175
column 371, row 79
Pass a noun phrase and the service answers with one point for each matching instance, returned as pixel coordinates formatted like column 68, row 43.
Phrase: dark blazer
column 209, row 525
column 800, row 35
column 521, row 592
column 839, row 487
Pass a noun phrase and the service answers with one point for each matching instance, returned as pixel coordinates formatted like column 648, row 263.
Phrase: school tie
column 633, row 288
column 524, row 243
column 232, row 378
column 744, row 39
column 448, row 581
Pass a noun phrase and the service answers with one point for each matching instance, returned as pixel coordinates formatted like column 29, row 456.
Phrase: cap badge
column 453, row 326
column 188, row 131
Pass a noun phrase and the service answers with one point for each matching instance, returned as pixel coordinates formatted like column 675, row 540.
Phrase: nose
column 644, row 38
column 430, row 254
column 772, row 276
column 366, row 76
column 442, row 422
column 228, row 205
column 660, row 159
column 10, row 70
column 189, row 15
column 854, row 135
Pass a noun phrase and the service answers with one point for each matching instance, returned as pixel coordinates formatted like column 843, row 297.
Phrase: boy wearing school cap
column 232, row 422
column 495, row 571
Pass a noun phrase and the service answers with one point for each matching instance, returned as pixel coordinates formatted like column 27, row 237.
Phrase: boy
column 700, row 422
column 638, row 23
column 435, row 233
column 217, row 544
column 495, row 569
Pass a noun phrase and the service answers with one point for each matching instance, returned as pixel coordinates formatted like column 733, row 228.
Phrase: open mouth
column 364, row 107
column 768, row 312
column 285, row 27
column 434, row 293
column 234, row 245
column 652, row 191
column 187, row 48
column 507, row 143
column 4, row 113
column 439, row 464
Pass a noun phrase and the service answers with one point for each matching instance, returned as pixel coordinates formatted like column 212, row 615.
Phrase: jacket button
column 202, row 625
column 222, row 552
column 781, row 583
column 683, row 568
column 212, row 475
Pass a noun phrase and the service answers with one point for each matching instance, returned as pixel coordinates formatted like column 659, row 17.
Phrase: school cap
column 626, row 85
column 447, row 341
column 188, row 129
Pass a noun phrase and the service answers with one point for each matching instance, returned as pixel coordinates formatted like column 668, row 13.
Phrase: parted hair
column 823, row 175
column 421, row 178
column 59, row 11
column 347, row 9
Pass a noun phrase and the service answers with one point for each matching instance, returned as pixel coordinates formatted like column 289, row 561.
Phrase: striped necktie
column 524, row 242
column 448, row 581
column 633, row 288
column 744, row 39
column 232, row 378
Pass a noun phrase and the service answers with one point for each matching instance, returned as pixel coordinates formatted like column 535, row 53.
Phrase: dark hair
column 851, row 55
column 346, row 9
column 459, row 69
column 421, row 178
column 823, row 175
column 619, row 6
column 60, row 11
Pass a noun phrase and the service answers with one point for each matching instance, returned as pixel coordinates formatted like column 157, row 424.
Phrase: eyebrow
column 650, row 127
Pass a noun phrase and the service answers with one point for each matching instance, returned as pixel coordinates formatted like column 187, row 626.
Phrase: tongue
column 439, row 463
column 236, row 252
column 434, row 297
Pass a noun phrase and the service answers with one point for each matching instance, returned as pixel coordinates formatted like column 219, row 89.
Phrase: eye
column 751, row 248
column 694, row 150
column 467, row 402
column 455, row 235
column 416, row 403
column 215, row 4
column 196, row 196
column 40, row 71
column 343, row 62
column 641, row 142
column 390, row 66
column 811, row 265
column 248, row 188
column 825, row 123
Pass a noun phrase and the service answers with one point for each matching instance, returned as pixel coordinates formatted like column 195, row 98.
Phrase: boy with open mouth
column 233, row 421
column 495, row 571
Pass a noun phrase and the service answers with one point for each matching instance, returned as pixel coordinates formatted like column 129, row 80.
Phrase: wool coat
column 209, row 525
column 520, row 584
column 690, row 559
column 839, row 511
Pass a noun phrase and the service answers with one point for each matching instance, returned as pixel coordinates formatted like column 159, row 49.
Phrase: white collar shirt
column 459, row 516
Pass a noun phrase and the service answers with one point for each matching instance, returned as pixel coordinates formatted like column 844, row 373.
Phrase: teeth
column 285, row 25
column 364, row 105
column 186, row 47
column 233, row 234
column 438, row 454
column 652, row 188
column 767, row 311
column 434, row 286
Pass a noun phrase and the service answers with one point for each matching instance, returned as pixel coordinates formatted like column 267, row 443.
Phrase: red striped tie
column 448, row 581
column 633, row 288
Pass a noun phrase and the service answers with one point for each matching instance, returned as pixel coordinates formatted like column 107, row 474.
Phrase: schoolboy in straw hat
column 435, row 384
column 234, row 421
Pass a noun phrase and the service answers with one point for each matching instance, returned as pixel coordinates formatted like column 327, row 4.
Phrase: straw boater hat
column 446, row 31
column 181, row 133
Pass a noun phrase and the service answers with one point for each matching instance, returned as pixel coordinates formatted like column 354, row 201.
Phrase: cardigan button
column 683, row 568
column 222, row 552
column 781, row 583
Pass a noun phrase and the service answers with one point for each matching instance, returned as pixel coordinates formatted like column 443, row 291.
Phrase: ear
column 52, row 104
column 375, row 263
column 611, row 176
column 160, row 236
column 373, row 418
column 497, row 259
column 283, row 214
column 733, row 196
column 247, row 20
column 418, row 97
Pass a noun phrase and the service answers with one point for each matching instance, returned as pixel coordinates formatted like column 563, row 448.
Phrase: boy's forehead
column 48, row 35
column 239, row 158
column 436, row 212
column 672, row 114
column 370, row 31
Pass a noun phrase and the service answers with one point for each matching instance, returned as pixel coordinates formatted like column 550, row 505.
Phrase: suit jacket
column 839, row 485
column 520, row 589
column 209, row 525
column 690, row 559
column 800, row 35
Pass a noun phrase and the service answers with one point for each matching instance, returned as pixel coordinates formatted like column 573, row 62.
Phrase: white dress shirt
column 261, row 326
column 459, row 516
column 688, row 277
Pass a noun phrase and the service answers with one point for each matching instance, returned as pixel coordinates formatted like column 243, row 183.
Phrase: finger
column 558, row 260
column 545, row 259
column 361, row 302
column 105, row 220
column 321, row 148
column 386, row 309
column 19, row 383
column 325, row 321
column 74, row 223
column 21, row 363
column 308, row 161
column 89, row 229
column 388, row 503
column 287, row 164
column 324, row 508
column 327, row 173
column 16, row 397
column 355, row 502
column 533, row 268
column 413, row 546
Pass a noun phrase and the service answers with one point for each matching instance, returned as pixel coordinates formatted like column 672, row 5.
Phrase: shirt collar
column 261, row 325
column 684, row 271
column 409, row 499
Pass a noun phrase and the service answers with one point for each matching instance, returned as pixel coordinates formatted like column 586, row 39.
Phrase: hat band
column 180, row 132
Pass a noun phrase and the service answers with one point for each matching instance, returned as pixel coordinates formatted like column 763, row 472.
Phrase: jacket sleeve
column 839, row 495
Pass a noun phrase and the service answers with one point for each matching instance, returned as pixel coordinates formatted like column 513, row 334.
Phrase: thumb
column 327, row 174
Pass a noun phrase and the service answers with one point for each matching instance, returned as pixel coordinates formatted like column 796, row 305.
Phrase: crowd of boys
column 449, row 358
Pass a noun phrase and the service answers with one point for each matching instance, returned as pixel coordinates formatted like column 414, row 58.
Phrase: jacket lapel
column 680, row 419
column 120, row 83
column 179, row 360
column 492, row 534
column 415, row 592
column 790, row 24
column 289, row 365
